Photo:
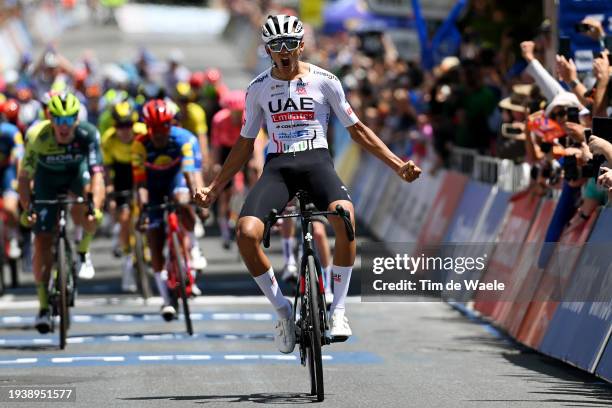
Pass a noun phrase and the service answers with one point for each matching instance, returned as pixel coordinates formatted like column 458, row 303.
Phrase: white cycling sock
column 268, row 285
column 224, row 228
column 327, row 272
column 160, row 279
column 192, row 238
column 288, row 244
column 342, row 278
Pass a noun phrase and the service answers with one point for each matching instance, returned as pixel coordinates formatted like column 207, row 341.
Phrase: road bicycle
column 311, row 322
column 63, row 282
column 138, row 243
column 180, row 278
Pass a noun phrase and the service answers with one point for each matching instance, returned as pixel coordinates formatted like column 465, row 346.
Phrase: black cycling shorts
column 286, row 173
column 122, row 182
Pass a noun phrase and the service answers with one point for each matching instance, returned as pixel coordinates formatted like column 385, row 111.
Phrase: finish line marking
column 137, row 338
column 191, row 358
column 9, row 321
column 10, row 301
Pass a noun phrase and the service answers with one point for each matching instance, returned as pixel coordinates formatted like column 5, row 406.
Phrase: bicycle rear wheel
column 142, row 275
column 315, row 358
column 61, row 283
column 181, row 271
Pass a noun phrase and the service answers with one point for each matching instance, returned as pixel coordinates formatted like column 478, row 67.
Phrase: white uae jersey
column 296, row 112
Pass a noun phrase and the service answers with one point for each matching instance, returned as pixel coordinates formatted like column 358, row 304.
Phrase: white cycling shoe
column 290, row 272
column 284, row 335
column 339, row 326
column 86, row 268
column 168, row 312
column 198, row 261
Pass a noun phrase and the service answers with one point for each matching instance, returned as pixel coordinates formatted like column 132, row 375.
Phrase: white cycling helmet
column 281, row 26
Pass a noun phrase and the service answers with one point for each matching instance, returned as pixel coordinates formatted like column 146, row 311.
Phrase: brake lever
column 270, row 220
column 350, row 232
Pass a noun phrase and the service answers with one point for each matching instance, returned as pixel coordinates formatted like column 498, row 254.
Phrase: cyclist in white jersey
column 295, row 99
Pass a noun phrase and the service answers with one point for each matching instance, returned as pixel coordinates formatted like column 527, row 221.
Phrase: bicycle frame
column 174, row 228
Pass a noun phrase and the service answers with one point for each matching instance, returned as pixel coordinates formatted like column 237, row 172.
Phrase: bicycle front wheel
column 62, row 291
column 315, row 357
column 182, row 278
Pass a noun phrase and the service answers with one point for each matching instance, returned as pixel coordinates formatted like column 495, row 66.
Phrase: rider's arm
column 139, row 174
column 366, row 138
column 26, row 174
column 360, row 133
column 107, row 158
column 237, row 158
column 201, row 131
column 24, row 189
column 17, row 151
column 96, row 168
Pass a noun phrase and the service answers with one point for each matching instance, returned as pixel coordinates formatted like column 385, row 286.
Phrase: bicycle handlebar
column 66, row 201
column 340, row 212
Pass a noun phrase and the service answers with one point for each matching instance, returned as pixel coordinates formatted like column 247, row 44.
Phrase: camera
column 582, row 28
column 574, row 172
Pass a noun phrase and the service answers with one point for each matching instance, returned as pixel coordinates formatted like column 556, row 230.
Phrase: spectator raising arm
column 548, row 84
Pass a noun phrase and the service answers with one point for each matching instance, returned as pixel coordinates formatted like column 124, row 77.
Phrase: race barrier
column 557, row 298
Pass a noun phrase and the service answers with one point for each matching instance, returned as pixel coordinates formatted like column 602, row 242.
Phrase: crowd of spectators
column 495, row 102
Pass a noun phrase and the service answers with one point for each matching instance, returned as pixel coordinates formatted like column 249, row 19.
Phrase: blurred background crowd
column 440, row 82
column 509, row 81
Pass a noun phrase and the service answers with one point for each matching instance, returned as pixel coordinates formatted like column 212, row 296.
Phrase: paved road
column 120, row 353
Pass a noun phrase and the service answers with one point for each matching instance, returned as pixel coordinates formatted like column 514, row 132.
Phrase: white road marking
column 155, row 358
column 279, row 357
column 63, row 360
column 19, row 361
column 119, row 338
column 193, row 357
column 8, row 301
column 241, row 357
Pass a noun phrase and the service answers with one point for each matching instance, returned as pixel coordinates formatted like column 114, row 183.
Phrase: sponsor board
column 503, row 262
column 349, row 164
column 579, row 330
column 442, row 209
column 485, row 232
column 541, row 311
column 414, row 209
column 527, row 274
column 604, row 368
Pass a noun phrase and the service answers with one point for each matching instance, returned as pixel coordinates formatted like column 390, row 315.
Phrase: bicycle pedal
column 338, row 339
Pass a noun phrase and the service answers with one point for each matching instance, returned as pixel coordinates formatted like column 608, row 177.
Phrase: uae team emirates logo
column 284, row 110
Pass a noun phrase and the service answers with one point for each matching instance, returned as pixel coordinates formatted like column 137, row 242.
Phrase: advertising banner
column 604, row 368
column 415, row 208
column 526, row 276
column 579, row 329
column 468, row 212
column 360, row 181
column 541, row 311
column 503, row 262
column 442, row 209
column 372, row 201
column 348, row 164
column 489, row 223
